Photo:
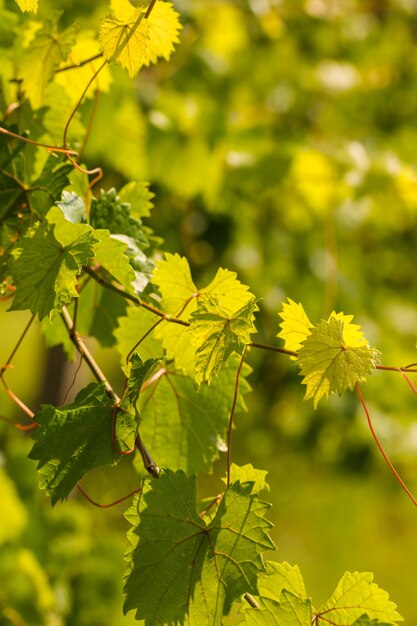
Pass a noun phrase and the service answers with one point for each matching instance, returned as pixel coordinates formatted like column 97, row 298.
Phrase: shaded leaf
column 202, row 567
column 110, row 254
column 47, row 50
column 127, row 416
column 195, row 417
column 49, row 186
column 47, row 263
column 73, row 440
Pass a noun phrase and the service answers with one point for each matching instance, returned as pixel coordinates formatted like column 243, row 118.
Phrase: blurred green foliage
column 280, row 143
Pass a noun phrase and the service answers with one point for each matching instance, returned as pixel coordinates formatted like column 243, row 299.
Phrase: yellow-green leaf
column 163, row 32
column 333, row 358
column 28, row 5
column 125, row 40
column 180, row 298
column 46, row 51
column 216, row 334
column 132, row 40
column 295, row 325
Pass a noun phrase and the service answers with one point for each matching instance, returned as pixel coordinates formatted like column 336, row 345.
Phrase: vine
column 184, row 351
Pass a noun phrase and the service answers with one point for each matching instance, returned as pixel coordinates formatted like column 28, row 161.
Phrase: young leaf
column 47, row 50
column 295, row 325
column 215, row 334
column 280, row 576
column 138, row 196
column 196, row 417
column 28, row 5
column 356, row 596
column 132, row 40
column 163, row 32
column 333, row 358
column 73, row 440
column 202, row 567
column 125, row 40
column 47, row 263
column 247, row 473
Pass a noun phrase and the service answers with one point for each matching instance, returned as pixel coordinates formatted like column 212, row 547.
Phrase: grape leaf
column 73, row 440
column 138, row 196
column 163, row 32
column 247, row 473
column 125, row 40
column 110, row 254
column 180, row 298
column 73, row 207
column 333, row 358
column 355, row 596
column 132, row 40
column 28, row 5
column 295, row 325
column 215, row 334
column 280, row 576
column 47, row 50
column 195, row 417
column 127, row 416
column 289, row 611
column 202, row 567
column 48, row 187
column 132, row 328
column 47, row 263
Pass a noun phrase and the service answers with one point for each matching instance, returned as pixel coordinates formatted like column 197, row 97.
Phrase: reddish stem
column 110, row 504
column 381, row 449
column 232, row 413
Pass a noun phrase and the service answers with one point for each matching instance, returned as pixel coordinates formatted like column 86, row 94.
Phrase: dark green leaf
column 178, row 564
column 73, row 440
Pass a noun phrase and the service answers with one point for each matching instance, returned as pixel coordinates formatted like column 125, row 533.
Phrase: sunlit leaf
column 330, row 361
column 215, row 334
column 28, row 5
column 125, row 40
column 247, row 473
column 355, row 596
column 295, row 325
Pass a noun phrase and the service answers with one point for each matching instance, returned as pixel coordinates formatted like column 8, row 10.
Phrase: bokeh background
column 280, row 142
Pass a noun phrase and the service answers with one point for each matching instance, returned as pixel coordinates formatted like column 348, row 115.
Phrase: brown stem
column 86, row 355
column 80, row 64
column 148, row 462
column 381, row 449
column 110, row 504
column 232, row 413
column 63, row 150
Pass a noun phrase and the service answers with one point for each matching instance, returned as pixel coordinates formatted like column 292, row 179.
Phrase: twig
column 86, row 355
column 232, row 412
column 381, row 449
column 110, row 504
